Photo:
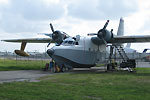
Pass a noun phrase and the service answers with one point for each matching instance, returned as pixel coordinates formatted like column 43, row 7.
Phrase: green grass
column 9, row 64
column 82, row 86
column 100, row 65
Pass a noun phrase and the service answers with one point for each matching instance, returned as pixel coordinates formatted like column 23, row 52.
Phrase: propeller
column 57, row 36
column 51, row 26
column 90, row 34
column 51, row 35
column 106, row 24
column 103, row 33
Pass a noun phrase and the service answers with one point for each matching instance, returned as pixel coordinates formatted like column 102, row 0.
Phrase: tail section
column 145, row 50
column 128, row 45
column 120, row 31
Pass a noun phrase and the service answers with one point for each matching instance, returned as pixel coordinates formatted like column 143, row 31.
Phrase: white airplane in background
column 145, row 50
column 81, row 51
column 128, row 49
column 120, row 32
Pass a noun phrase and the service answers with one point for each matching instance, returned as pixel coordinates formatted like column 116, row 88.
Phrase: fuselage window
column 77, row 43
column 65, row 42
column 70, row 42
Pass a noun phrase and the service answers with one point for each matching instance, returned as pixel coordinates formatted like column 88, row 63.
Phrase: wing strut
column 21, row 51
column 23, row 45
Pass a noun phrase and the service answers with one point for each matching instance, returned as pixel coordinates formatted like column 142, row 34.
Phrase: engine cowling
column 102, row 36
column 58, row 37
column 21, row 53
column 105, row 34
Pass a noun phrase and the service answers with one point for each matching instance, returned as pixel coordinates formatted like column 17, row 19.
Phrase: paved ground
column 22, row 75
column 32, row 75
column 143, row 64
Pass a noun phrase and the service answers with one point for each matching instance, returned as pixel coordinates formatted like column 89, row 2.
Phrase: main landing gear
column 126, row 64
column 57, row 68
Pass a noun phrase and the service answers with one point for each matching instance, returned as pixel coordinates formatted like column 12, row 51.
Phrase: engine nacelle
column 97, row 40
column 21, row 53
column 105, row 34
column 58, row 36
column 102, row 36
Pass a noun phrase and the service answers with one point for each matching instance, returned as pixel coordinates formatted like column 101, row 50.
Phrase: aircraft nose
column 50, row 52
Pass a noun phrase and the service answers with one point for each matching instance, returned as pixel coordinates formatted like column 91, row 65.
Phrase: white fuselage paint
column 85, row 53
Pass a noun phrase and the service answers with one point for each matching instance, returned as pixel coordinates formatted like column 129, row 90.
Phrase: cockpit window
column 65, row 42
column 70, row 42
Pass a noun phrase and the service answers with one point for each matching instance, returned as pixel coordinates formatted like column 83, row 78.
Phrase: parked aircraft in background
column 120, row 32
column 81, row 51
column 145, row 50
column 128, row 49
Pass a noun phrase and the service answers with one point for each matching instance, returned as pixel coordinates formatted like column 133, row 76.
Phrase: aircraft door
column 89, row 53
column 101, row 54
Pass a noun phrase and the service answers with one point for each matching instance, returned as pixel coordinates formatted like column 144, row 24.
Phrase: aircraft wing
column 130, row 39
column 23, row 42
column 31, row 40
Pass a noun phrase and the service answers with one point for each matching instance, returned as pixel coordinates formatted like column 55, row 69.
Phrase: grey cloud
column 36, row 9
column 145, row 26
column 102, row 9
column 28, row 15
column 85, row 9
column 16, row 24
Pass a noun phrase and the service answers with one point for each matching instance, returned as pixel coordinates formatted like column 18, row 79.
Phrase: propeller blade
column 51, row 26
column 47, row 34
column 90, row 34
column 111, row 31
column 104, row 41
column 50, row 35
column 48, row 44
column 105, row 25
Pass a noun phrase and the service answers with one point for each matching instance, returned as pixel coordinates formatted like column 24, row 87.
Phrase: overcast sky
column 26, row 18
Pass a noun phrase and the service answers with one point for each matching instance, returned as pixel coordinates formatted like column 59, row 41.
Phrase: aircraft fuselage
column 81, row 54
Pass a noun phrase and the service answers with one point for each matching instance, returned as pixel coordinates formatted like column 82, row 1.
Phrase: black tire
column 53, row 70
column 63, row 68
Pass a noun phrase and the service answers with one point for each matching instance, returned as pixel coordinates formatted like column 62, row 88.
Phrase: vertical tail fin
column 120, row 31
column 128, row 45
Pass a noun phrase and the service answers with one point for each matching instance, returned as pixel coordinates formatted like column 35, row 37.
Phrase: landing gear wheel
column 53, row 69
column 63, row 69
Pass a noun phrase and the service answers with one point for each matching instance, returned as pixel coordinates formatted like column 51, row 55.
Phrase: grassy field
column 9, row 64
column 82, row 86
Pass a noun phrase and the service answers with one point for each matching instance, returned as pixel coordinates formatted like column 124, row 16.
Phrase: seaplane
column 81, row 51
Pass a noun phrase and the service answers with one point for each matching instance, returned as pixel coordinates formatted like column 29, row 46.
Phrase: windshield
column 68, row 43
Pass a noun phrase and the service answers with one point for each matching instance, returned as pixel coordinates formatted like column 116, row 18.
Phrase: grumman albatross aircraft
column 78, row 51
